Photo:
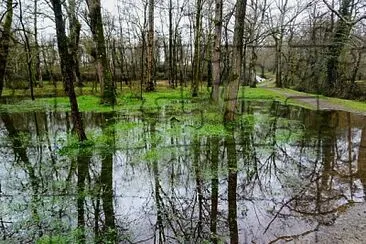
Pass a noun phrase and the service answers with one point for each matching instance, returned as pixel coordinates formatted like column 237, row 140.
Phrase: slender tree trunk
column 67, row 64
column 253, row 61
column 171, row 71
column 150, row 85
column 197, row 50
column 4, row 42
column 39, row 78
column 75, row 27
column 357, row 59
column 28, row 51
column 278, row 62
column 216, row 56
column 96, row 25
column 232, row 88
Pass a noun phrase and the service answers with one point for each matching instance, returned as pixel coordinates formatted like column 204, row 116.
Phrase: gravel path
column 315, row 102
column 348, row 228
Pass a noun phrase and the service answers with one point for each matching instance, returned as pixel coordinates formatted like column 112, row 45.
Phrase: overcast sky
column 110, row 5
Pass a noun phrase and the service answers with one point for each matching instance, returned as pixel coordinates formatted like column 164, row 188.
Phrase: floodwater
column 163, row 176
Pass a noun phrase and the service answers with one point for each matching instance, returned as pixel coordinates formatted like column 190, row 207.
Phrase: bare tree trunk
column 253, row 76
column 39, row 78
column 150, row 85
column 357, row 59
column 75, row 28
column 104, row 73
column 67, row 64
column 171, row 71
column 4, row 42
column 216, row 56
column 232, row 88
column 278, row 61
column 196, row 58
column 28, row 51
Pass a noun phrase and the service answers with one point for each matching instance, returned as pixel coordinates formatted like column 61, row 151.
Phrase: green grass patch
column 260, row 94
column 350, row 104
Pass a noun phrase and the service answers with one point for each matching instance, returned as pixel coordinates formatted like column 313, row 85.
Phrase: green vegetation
column 172, row 99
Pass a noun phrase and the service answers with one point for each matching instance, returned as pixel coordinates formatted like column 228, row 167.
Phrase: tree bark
column 105, row 76
column 232, row 88
column 150, row 84
column 216, row 56
column 39, row 78
column 67, row 64
column 75, row 27
column 196, row 58
column 28, row 51
column 171, row 71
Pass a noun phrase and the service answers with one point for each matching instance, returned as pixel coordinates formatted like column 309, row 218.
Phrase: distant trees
column 310, row 46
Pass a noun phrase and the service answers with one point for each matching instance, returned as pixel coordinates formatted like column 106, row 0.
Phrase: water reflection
column 279, row 174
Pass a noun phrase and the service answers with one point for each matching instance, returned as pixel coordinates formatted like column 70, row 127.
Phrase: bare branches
column 342, row 17
column 7, row 11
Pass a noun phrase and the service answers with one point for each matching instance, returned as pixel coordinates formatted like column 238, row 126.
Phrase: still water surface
column 165, row 176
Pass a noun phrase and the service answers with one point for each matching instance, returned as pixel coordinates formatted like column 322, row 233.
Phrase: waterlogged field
column 167, row 170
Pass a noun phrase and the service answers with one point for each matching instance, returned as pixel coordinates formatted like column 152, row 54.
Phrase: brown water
column 281, row 171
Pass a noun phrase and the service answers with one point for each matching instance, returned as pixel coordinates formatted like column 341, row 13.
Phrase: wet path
column 315, row 102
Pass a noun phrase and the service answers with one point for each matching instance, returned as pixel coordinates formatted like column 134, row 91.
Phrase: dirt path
column 314, row 101
column 349, row 228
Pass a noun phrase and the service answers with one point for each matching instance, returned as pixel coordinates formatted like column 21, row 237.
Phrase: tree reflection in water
column 278, row 174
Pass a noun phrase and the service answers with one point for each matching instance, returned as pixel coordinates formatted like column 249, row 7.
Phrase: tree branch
column 348, row 22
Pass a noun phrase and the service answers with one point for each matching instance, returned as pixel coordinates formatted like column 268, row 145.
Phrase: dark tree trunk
column 150, row 84
column 197, row 50
column 4, row 42
column 67, row 64
column 38, row 75
column 171, row 71
column 75, row 27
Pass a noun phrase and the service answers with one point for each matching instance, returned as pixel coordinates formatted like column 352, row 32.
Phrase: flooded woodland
column 182, row 121
column 169, row 171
